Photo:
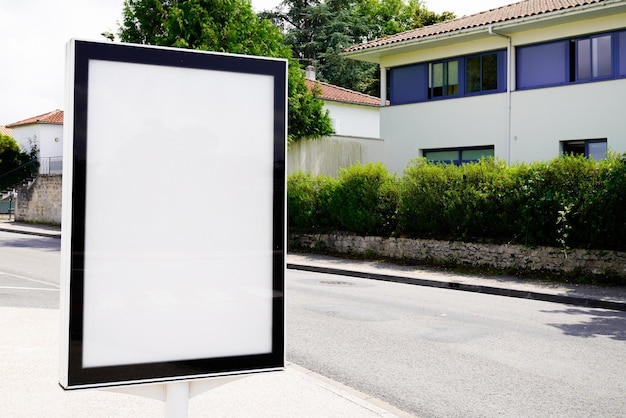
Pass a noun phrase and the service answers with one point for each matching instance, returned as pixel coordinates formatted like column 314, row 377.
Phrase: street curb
column 520, row 294
column 36, row 233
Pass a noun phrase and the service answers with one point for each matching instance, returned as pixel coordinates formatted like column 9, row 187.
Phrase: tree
column 15, row 165
column 225, row 26
column 318, row 31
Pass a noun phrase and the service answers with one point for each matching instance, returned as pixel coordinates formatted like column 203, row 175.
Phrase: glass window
column 593, row 58
column 468, row 155
column 447, row 157
column 481, row 73
column 592, row 148
column 458, row 156
column 472, row 70
column 445, row 78
column 596, row 150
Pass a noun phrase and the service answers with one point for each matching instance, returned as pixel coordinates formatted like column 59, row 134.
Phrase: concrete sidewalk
column 29, row 369
column 29, row 353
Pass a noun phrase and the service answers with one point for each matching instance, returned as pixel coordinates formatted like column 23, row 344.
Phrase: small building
column 356, row 122
column 46, row 133
column 524, row 82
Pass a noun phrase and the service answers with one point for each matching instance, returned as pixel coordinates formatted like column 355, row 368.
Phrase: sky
column 34, row 33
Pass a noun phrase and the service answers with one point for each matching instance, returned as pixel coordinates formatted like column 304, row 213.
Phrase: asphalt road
column 440, row 353
column 430, row 352
column 29, row 271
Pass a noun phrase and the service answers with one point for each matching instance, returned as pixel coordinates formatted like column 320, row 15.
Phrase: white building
column 356, row 122
column 523, row 82
column 46, row 133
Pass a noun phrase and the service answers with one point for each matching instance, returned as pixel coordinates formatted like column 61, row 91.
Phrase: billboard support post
column 176, row 399
column 175, row 395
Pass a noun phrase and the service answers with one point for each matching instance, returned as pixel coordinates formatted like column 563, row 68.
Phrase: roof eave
column 375, row 53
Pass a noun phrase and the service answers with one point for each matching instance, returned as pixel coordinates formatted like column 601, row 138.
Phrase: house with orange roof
column 44, row 131
column 523, row 82
column 356, row 122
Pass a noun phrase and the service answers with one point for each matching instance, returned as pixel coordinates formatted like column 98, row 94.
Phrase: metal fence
column 51, row 165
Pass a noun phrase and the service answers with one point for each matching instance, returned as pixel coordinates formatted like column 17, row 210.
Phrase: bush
column 570, row 202
column 365, row 200
column 308, row 202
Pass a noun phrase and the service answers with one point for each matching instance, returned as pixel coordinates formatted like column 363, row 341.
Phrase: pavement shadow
column 28, row 241
column 597, row 323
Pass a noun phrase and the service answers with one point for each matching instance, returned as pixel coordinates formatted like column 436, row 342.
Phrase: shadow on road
column 26, row 241
column 597, row 323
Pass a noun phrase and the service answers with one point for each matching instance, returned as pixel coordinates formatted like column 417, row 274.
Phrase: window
column 445, row 78
column 590, row 58
column 458, row 156
column 456, row 77
column 481, row 73
column 591, row 148
column 593, row 58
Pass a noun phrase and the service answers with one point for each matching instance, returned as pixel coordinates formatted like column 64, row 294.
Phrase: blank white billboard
column 174, row 211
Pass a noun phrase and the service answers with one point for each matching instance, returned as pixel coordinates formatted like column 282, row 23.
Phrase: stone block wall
column 40, row 202
column 500, row 256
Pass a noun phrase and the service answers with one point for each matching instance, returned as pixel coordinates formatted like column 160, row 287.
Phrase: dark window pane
column 583, row 59
column 490, row 72
column 473, row 74
column 575, row 148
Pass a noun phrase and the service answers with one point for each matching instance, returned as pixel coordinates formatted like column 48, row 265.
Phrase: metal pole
column 176, row 399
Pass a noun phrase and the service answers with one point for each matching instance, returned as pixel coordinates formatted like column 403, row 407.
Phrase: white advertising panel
column 173, row 215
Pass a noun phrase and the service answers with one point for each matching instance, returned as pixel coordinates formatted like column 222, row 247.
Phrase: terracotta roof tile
column 513, row 11
column 55, row 117
column 6, row 131
column 340, row 94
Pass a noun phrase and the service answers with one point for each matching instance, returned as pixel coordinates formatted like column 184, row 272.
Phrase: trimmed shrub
column 569, row 202
column 308, row 202
column 365, row 200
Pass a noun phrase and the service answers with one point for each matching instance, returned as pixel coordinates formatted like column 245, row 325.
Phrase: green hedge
column 570, row 202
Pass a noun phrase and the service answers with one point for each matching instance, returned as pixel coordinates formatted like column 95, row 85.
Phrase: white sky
column 33, row 34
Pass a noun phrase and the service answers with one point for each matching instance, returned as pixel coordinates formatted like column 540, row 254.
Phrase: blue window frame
column 621, row 52
column 593, row 57
column 445, row 78
column 459, row 155
column 483, row 73
column 590, row 148
column 580, row 60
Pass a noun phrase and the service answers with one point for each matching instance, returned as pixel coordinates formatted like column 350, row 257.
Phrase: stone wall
column 40, row 202
column 500, row 256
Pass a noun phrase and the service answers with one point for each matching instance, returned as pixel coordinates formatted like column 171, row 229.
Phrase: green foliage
column 224, row 26
column 318, row 31
column 569, row 202
column 365, row 200
column 15, row 165
column 308, row 198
